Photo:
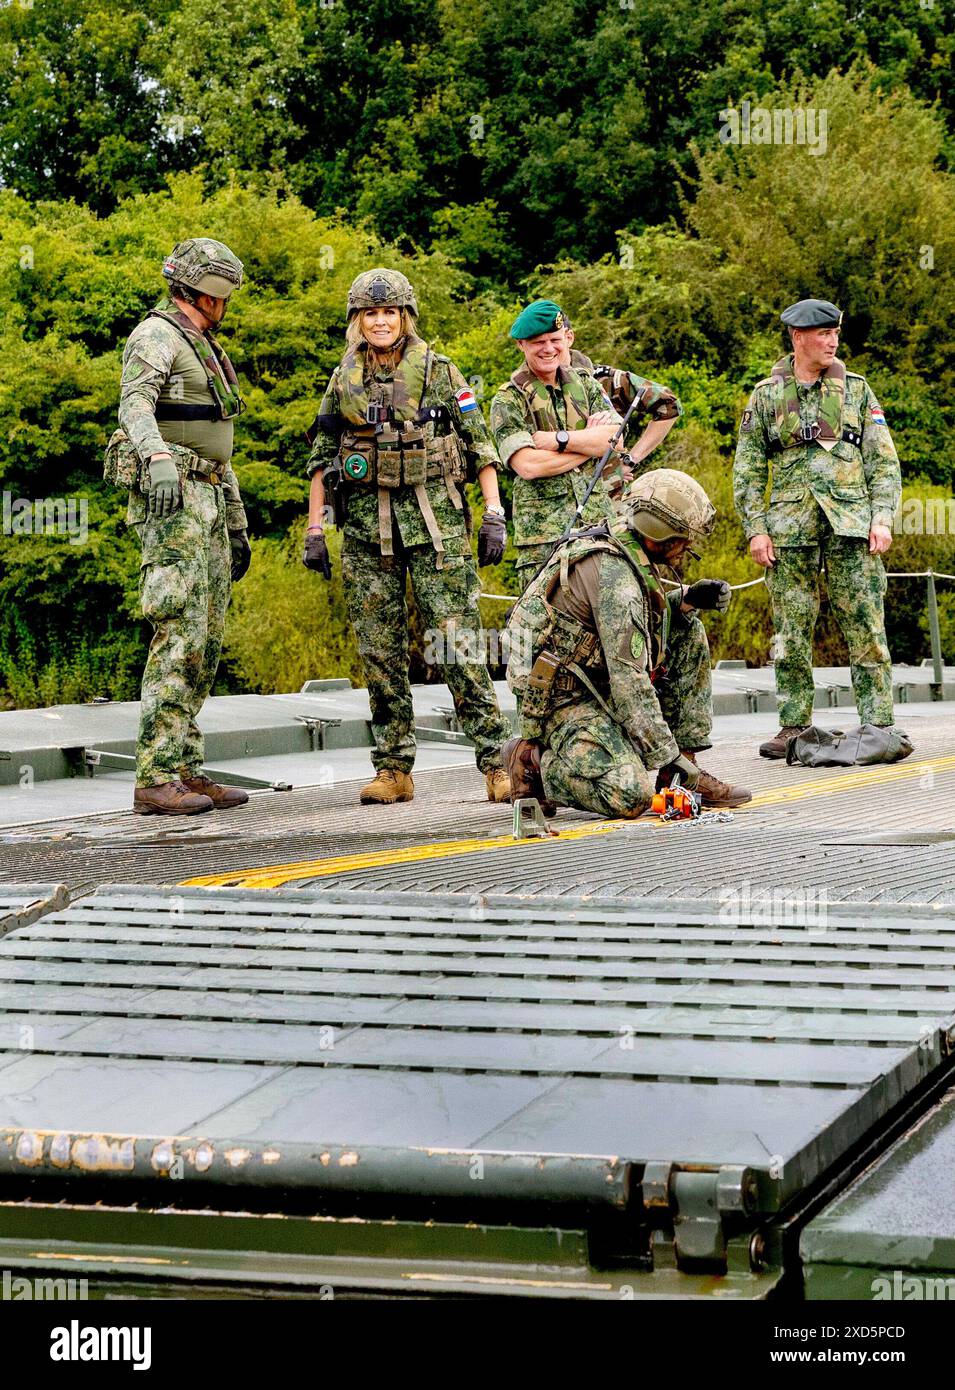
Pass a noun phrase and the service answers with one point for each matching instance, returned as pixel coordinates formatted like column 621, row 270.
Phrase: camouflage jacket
column 852, row 485
column 160, row 366
column 446, row 388
column 542, row 507
column 656, row 402
column 631, row 616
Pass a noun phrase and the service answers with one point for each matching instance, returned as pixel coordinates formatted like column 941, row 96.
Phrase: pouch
column 121, row 462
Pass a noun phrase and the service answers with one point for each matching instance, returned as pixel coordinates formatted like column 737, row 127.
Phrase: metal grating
column 411, row 1026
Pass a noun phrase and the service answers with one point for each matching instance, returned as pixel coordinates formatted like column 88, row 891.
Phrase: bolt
column 757, row 1253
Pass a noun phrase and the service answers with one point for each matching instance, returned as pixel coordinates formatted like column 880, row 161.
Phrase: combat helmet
column 203, row 266
column 376, row 288
column 665, row 504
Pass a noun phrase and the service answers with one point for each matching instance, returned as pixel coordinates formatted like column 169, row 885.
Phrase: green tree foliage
column 691, row 299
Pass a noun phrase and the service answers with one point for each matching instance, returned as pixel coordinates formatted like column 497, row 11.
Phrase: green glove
column 165, row 492
column 689, row 773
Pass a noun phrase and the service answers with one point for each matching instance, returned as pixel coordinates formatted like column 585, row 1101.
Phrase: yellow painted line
column 851, row 781
column 276, row 875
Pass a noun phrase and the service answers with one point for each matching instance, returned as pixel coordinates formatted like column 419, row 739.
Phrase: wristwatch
column 493, row 510
column 563, row 438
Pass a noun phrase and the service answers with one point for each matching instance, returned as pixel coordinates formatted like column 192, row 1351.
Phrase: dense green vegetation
column 493, row 152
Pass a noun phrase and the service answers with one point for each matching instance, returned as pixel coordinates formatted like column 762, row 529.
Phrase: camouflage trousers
column 184, row 586
column 856, row 584
column 589, row 760
column 529, row 560
column 447, row 601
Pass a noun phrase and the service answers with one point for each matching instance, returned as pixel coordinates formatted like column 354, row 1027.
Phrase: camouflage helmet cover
column 377, row 288
column 204, row 266
column 665, row 504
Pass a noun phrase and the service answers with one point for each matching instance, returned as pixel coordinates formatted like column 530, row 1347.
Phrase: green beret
column 812, row 313
column 543, row 316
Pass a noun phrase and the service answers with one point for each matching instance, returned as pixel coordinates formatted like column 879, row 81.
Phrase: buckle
column 377, row 414
column 809, row 432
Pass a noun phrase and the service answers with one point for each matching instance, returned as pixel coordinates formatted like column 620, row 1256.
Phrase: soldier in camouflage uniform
column 622, row 388
column 397, row 436
column 178, row 402
column 613, row 672
column 815, row 434
column 548, row 422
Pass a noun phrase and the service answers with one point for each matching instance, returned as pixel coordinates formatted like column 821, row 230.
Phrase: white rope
column 890, row 574
column 917, row 574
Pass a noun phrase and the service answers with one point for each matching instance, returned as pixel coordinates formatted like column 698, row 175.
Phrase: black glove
column 316, row 554
column 241, row 554
column 492, row 538
column 709, row 593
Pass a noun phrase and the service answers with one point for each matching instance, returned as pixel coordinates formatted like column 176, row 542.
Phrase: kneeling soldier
column 614, row 673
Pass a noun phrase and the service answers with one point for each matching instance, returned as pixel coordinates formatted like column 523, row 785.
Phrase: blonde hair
column 354, row 337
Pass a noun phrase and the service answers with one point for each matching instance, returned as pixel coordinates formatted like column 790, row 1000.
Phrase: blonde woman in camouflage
column 398, row 434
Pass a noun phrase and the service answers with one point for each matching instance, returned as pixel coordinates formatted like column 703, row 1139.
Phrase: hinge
column 693, row 1213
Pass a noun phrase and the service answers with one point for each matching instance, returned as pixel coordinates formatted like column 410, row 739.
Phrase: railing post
column 935, row 635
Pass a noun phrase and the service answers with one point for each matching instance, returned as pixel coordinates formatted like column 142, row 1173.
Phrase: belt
column 775, row 446
column 213, row 479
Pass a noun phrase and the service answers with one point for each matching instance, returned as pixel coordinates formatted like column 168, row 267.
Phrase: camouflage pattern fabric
column 596, row 764
column 159, row 365
column 856, row 584
column 542, row 507
column 529, row 560
column 445, row 386
column 184, row 586
column 657, row 402
column 851, row 488
column 448, row 604
column 600, row 758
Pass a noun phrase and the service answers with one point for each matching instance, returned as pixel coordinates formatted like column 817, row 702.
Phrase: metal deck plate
column 891, row 1234
column 367, row 1021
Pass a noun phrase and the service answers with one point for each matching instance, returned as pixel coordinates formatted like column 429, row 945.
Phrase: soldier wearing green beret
column 548, row 422
column 814, row 434
column 178, row 402
column 398, row 435
column 622, row 387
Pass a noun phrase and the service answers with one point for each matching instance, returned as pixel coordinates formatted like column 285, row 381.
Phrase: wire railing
column 934, row 627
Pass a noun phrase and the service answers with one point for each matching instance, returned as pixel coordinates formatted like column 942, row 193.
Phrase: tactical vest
column 554, row 658
column 220, row 374
column 539, row 403
column 390, row 440
column 827, row 428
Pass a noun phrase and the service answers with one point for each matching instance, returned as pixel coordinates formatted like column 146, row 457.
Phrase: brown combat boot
column 498, row 784
column 222, row 798
column 522, row 759
column 710, row 788
column 389, row 786
column 169, row 799
column 775, row 747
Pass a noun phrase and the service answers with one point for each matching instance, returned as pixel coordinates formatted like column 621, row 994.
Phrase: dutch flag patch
column 875, row 414
column 466, row 400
